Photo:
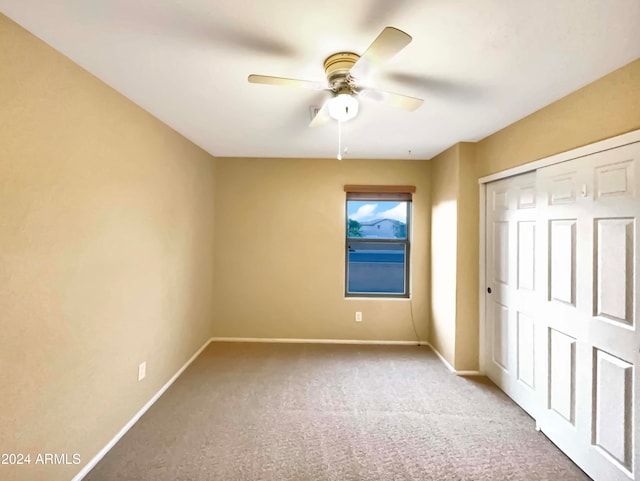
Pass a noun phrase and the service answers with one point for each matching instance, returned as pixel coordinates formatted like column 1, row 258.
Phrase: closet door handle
column 489, row 290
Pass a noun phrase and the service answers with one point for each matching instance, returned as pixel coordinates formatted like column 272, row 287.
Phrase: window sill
column 381, row 298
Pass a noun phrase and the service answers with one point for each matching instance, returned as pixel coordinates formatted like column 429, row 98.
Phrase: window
column 378, row 231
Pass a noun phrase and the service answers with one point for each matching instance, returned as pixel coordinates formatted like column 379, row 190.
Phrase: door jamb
column 482, row 284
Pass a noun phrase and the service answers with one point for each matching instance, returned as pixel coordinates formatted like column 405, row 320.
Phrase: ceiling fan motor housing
column 337, row 67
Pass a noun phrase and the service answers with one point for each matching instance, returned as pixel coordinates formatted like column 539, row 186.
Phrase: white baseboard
column 450, row 367
column 441, row 357
column 91, row 464
column 315, row 341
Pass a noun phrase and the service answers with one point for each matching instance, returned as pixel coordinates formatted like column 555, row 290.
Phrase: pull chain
column 339, row 157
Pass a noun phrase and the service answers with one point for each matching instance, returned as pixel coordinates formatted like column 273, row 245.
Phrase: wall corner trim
column 101, row 454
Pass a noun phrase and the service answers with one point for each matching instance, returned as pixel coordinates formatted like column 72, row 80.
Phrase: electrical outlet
column 358, row 316
column 142, row 371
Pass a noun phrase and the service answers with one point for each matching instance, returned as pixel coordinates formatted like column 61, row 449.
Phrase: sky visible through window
column 364, row 211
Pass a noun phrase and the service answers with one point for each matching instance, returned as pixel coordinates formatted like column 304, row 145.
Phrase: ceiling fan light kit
column 343, row 107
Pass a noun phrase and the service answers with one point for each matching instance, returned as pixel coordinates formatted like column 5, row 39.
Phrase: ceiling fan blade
column 322, row 117
column 451, row 88
column 395, row 100
column 286, row 82
column 386, row 45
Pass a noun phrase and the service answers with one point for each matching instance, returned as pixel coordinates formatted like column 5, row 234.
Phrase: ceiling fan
column 343, row 69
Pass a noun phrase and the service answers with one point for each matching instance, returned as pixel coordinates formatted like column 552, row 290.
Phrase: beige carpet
column 279, row 412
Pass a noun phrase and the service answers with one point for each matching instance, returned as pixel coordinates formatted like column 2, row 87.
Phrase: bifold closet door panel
column 588, row 210
column 511, row 279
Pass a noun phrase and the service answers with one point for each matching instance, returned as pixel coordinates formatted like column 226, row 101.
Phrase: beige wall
column 454, row 263
column 106, row 228
column 444, row 231
column 279, row 258
column 467, row 267
column 605, row 108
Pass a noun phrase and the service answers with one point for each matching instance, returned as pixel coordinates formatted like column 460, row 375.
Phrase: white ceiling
column 479, row 64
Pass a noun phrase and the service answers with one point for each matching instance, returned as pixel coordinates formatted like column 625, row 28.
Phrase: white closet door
column 590, row 350
column 511, row 279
